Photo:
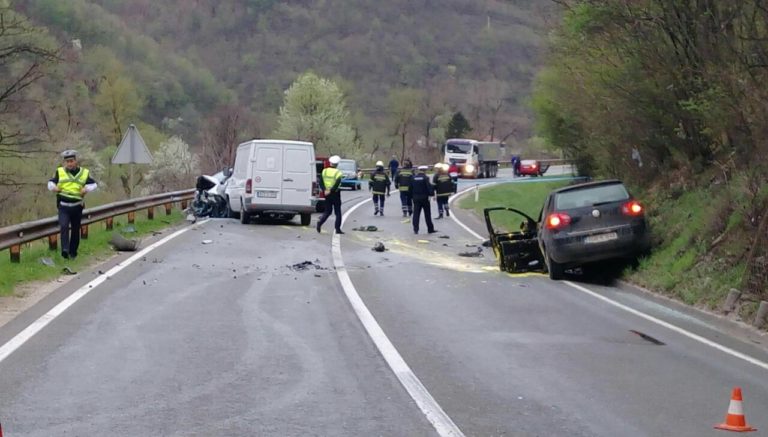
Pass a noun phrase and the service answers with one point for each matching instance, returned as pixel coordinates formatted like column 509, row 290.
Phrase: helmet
column 69, row 154
column 334, row 160
column 379, row 164
column 423, row 167
column 439, row 166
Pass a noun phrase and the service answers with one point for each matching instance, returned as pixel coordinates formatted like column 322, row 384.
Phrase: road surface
column 229, row 338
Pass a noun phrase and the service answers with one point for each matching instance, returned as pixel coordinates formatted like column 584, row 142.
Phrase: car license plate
column 267, row 194
column 601, row 238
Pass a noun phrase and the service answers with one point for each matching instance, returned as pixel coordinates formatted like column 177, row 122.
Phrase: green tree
column 315, row 110
column 458, row 126
column 405, row 104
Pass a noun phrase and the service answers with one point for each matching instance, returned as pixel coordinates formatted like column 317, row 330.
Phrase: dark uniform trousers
column 419, row 205
column 332, row 205
column 70, row 218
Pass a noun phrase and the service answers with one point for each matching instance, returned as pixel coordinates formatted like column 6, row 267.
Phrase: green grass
column 527, row 197
column 96, row 248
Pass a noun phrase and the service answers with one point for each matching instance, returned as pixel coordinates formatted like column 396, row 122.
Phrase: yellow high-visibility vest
column 70, row 185
column 330, row 176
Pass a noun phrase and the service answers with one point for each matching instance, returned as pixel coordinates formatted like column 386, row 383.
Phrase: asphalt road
column 229, row 339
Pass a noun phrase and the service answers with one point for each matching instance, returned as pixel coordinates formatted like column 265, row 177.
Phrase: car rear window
column 584, row 197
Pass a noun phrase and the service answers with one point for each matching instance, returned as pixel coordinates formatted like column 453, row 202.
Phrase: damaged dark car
column 580, row 224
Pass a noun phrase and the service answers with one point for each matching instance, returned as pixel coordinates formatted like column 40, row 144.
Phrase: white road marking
column 22, row 337
column 428, row 405
column 458, row 222
column 640, row 314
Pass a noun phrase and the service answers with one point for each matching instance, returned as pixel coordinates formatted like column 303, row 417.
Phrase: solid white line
column 641, row 314
column 458, row 222
column 668, row 325
column 22, row 337
column 428, row 405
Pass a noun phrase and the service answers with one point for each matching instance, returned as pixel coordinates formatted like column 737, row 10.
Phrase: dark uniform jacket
column 403, row 179
column 380, row 182
column 444, row 184
column 420, row 187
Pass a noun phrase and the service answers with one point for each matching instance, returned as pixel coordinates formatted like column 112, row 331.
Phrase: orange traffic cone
column 735, row 419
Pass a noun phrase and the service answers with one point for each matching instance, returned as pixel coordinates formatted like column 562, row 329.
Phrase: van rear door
column 267, row 174
column 298, row 175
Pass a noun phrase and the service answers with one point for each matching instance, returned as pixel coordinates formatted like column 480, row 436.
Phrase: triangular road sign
column 133, row 149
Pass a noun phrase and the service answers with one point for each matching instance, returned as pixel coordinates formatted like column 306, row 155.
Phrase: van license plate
column 601, row 238
column 267, row 194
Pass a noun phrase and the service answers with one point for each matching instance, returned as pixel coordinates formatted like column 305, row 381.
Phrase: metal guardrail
column 12, row 237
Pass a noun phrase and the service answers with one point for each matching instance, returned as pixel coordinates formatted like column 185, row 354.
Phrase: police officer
column 444, row 187
column 403, row 184
column 380, row 184
column 330, row 182
column 70, row 183
column 422, row 190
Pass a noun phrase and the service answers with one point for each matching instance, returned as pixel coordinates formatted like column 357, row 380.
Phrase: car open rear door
column 298, row 176
column 267, row 174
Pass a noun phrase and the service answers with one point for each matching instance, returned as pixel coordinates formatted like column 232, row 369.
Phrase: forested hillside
column 205, row 74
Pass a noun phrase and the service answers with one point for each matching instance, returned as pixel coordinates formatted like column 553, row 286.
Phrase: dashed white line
column 428, row 405
column 22, row 337
column 638, row 313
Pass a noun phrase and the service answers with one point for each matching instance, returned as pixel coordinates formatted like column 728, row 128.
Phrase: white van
column 273, row 178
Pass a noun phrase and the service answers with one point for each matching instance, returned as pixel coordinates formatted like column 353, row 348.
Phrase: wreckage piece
column 379, row 247
column 122, row 244
column 516, row 251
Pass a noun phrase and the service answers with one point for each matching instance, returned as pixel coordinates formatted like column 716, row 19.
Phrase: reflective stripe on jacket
column 443, row 185
column 403, row 179
column 70, row 185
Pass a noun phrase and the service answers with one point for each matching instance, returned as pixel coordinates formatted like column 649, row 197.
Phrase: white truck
column 475, row 159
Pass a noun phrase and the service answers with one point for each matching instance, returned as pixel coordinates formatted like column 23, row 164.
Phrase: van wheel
column 306, row 219
column 230, row 212
column 245, row 218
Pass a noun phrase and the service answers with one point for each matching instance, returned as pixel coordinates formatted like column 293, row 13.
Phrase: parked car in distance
column 591, row 222
column 351, row 176
column 531, row 167
column 273, row 178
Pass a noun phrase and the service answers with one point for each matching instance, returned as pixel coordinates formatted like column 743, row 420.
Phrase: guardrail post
column 168, row 207
column 16, row 253
column 53, row 241
column 84, row 232
column 110, row 223
column 183, row 204
column 151, row 212
column 131, row 217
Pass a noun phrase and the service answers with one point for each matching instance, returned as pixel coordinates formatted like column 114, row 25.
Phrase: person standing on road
column 393, row 165
column 380, row 184
column 422, row 190
column 70, row 183
column 403, row 184
column 330, row 183
column 444, row 187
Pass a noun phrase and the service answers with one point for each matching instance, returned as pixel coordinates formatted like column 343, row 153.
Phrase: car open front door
column 513, row 237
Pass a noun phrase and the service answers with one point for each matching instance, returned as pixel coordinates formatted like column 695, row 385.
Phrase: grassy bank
column 700, row 238
column 96, row 248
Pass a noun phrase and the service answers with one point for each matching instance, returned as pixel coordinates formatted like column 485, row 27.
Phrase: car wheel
column 556, row 270
column 306, row 219
column 245, row 218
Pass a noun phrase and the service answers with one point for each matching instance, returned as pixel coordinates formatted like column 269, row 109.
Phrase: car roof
column 587, row 185
column 281, row 142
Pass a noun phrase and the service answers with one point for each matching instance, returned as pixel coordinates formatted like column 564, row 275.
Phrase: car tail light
column 533, row 166
column 633, row 208
column 558, row 220
column 248, row 186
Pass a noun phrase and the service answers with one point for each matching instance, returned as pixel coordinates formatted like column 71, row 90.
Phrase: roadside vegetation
column 92, row 251
column 670, row 96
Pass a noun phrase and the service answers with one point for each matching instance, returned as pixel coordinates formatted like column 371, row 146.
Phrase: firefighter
column 403, row 184
column 422, row 190
column 444, row 187
column 70, row 183
column 380, row 184
column 330, row 182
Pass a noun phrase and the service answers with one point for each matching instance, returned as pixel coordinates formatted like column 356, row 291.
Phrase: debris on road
column 487, row 243
column 48, row 262
column 423, row 241
column 122, row 244
column 68, row 271
column 379, row 247
column 444, row 237
column 191, row 218
column 469, row 254
column 207, row 241
column 129, row 229
column 366, row 229
column 307, row 265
